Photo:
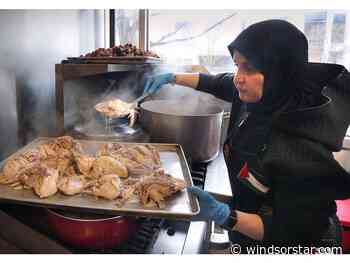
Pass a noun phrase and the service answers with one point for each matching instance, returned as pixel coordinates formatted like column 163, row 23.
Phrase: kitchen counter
column 217, row 179
column 346, row 142
column 217, row 182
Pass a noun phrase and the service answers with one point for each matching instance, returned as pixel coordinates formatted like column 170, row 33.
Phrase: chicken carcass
column 152, row 190
column 117, row 108
column 108, row 186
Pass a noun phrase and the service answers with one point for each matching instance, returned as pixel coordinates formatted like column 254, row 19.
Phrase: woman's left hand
column 210, row 208
column 155, row 83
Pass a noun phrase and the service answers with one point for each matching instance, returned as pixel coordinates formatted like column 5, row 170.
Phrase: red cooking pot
column 90, row 231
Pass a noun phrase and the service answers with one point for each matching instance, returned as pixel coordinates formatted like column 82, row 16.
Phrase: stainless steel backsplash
column 32, row 42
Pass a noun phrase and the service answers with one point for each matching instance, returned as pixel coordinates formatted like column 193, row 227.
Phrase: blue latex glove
column 156, row 82
column 210, row 208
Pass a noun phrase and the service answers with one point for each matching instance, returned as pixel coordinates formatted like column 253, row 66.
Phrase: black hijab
column 279, row 50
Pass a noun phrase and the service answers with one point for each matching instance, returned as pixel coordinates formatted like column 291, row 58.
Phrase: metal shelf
column 73, row 71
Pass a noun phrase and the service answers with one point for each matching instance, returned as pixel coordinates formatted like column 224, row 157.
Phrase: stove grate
column 143, row 240
column 198, row 174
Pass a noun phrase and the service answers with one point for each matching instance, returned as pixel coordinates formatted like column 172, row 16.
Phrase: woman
column 288, row 116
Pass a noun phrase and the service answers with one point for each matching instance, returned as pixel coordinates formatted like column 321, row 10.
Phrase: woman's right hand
column 210, row 208
column 156, row 82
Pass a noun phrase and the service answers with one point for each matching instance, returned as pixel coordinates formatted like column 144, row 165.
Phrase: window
column 126, row 26
column 200, row 37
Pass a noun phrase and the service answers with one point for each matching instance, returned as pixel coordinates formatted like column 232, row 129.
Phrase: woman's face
column 248, row 81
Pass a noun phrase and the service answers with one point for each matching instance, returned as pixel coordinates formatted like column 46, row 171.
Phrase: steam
column 8, row 114
column 194, row 100
column 83, row 94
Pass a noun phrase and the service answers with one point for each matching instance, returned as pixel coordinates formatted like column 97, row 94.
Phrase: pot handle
column 137, row 101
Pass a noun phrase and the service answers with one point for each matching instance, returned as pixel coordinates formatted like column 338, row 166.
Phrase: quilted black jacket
column 296, row 165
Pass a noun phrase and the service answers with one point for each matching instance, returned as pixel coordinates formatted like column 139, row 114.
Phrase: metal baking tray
column 181, row 205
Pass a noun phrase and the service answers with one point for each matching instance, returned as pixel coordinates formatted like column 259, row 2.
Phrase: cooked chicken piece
column 32, row 155
column 46, row 184
column 114, row 108
column 29, row 175
column 135, row 169
column 150, row 154
column 108, row 165
column 58, row 153
column 64, row 153
column 41, row 178
column 71, row 185
column 64, row 159
column 107, row 186
column 84, row 163
column 65, row 142
column 140, row 171
column 12, row 169
column 140, row 160
column 153, row 190
column 70, row 171
column 50, row 162
column 128, row 191
column 63, row 164
column 117, row 108
column 47, row 152
column 77, row 148
column 104, row 150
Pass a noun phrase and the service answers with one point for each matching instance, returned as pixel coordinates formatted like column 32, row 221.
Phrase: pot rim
column 83, row 220
column 220, row 110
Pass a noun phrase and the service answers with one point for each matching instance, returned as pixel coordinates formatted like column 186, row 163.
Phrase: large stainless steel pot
column 196, row 127
column 225, row 125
